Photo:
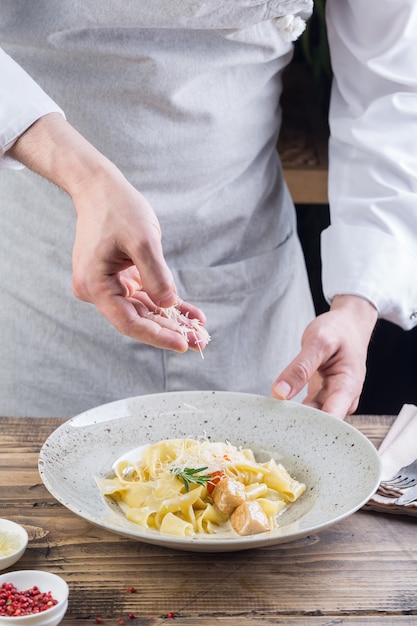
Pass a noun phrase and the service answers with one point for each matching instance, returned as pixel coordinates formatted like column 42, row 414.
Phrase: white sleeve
column 370, row 248
column 22, row 102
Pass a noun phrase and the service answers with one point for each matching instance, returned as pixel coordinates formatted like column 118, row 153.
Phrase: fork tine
column 405, row 476
column 401, row 478
column 405, row 482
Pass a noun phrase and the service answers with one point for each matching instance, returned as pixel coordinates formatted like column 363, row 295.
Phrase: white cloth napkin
column 398, row 449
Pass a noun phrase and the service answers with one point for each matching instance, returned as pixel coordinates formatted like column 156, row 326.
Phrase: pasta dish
column 187, row 487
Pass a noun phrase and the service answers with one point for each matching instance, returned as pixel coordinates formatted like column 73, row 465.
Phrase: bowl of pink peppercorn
column 32, row 598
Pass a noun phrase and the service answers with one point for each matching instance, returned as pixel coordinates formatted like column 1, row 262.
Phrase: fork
column 409, row 496
column 405, row 477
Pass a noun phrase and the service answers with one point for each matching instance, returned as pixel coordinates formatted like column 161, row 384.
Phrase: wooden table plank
column 360, row 571
column 296, row 621
column 375, row 427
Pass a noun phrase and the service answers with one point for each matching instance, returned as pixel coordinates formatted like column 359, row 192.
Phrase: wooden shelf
column 303, row 141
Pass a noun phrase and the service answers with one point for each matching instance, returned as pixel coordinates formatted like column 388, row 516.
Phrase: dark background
column 391, row 379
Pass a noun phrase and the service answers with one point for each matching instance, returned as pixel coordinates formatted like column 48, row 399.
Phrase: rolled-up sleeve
column 22, row 102
column 370, row 248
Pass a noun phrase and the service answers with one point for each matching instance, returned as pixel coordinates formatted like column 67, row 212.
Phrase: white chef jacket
column 370, row 249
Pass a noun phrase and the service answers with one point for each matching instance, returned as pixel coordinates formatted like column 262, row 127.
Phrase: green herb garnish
column 190, row 476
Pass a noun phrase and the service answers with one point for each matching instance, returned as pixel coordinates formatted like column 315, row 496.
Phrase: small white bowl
column 46, row 581
column 19, row 536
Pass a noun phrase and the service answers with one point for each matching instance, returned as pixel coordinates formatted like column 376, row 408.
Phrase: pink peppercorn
column 15, row 603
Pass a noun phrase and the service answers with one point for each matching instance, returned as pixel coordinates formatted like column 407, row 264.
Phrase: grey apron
column 184, row 97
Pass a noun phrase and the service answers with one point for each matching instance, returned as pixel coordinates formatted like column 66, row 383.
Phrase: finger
column 190, row 327
column 192, row 311
column 131, row 281
column 336, row 396
column 294, row 378
column 159, row 284
column 155, row 275
column 141, row 297
column 134, row 320
column 339, row 404
column 186, row 319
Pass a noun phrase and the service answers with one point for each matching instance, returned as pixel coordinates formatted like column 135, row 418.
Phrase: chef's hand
column 333, row 356
column 118, row 262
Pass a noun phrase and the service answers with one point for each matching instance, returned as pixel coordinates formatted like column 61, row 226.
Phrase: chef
column 140, row 174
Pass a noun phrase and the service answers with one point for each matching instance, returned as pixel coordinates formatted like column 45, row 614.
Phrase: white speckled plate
column 338, row 464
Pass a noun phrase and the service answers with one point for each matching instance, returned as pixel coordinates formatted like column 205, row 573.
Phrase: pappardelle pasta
column 187, row 487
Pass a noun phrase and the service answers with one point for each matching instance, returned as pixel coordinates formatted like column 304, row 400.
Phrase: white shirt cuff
column 371, row 264
column 22, row 102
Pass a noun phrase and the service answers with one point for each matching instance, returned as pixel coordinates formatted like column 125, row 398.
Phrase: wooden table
column 363, row 570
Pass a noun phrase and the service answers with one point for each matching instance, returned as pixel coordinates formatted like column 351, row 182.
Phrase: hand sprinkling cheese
column 186, row 326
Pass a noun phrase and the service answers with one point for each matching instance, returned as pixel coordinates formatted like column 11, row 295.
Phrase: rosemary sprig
column 191, row 475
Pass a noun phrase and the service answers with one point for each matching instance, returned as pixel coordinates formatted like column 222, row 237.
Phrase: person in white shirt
column 158, row 125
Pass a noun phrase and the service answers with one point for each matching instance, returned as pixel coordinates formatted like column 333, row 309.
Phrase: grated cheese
column 9, row 543
column 186, row 326
column 213, row 455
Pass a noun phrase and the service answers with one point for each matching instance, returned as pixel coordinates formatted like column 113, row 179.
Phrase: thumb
column 158, row 282
column 292, row 380
column 155, row 276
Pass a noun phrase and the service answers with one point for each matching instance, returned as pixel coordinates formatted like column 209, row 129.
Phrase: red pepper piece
column 215, row 478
